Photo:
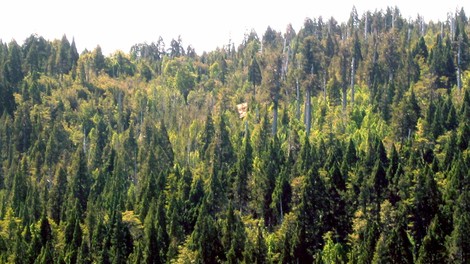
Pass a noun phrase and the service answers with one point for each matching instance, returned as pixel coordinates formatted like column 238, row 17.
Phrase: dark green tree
column 233, row 236
column 254, row 74
column 459, row 241
column 244, row 167
column 80, row 180
column 427, row 200
column 310, row 213
column 205, row 238
column 433, row 248
column 57, row 195
column 13, row 69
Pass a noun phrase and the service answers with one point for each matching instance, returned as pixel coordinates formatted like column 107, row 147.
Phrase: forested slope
column 354, row 147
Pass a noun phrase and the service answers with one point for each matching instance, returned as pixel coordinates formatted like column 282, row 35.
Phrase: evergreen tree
column 254, row 74
column 20, row 187
column 427, row 200
column 64, row 63
column 13, row 70
column 79, row 186
column 244, row 167
column 99, row 62
column 233, row 236
column 459, row 242
column 58, row 195
column 310, row 213
column 205, row 238
column 207, row 135
column 281, row 196
column 151, row 250
column 433, row 248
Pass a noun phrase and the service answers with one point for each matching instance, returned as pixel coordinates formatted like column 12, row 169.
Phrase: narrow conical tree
column 427, row 200
column 58, row 195
column 459, row 241
column 310, row 213
column 151, row 248
column 205, row 238
column 254, row 74
column 233, row 236
column 244, row 167
column 79, row 186
column 433, row 248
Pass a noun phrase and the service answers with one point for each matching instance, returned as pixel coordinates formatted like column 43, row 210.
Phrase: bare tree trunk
column 280, row 206
column 84, row 141
column 365, row 26
column 297, row 113
column 275, row 114
column 352, row 79
column 308, row 106
column 459, row 81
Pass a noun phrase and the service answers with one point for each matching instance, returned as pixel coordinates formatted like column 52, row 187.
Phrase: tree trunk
column 308, row 110
column 459, row 81
column 352, row 79
column 365, row 26
column 297, row 113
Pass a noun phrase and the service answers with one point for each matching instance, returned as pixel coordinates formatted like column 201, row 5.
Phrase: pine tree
column 151, row 248
column 207, row 136
column 79, row 186
column 310, row 213
column 459, row 241
column 433, row 248
column 233, row 236
column 333, row 88
column 254, row 74
column 20, row 187
column 64, row 64
column 193, row 205
column 205, row 238
column 58, row 195
column 244, row 167
column 256, row 252
column 281, row 196
column 99, row 62
column 45, row 231
column 427, row 200
column 23, row 127
column 13, row 67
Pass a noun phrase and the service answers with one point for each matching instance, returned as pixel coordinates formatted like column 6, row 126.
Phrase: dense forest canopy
column 354, row 147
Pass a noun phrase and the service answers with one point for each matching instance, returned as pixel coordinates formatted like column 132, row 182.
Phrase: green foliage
column 144, row 157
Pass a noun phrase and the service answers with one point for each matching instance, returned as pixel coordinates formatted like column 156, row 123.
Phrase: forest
column 342, row 142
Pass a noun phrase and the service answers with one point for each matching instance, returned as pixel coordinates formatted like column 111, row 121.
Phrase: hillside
column 353, row 147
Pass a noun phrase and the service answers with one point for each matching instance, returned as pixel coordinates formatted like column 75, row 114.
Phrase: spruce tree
column 310, row 216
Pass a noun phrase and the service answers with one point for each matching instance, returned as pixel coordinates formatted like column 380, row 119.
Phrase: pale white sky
column 205, row 24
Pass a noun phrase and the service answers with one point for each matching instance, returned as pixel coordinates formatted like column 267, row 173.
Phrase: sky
column 203, row 24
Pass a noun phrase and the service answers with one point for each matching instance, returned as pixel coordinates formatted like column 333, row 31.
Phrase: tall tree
column 80, row 181
column 310, row 213
column 254, row 74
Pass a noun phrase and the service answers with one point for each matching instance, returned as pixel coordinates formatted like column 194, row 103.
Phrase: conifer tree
column 233, row 236
column 244, row 167
column 254, row 74
column 205, row 238
column 151, row 249
column 310, row 213
column 427, row 200
column 459, row 241
column 433, row 248
column 79, row 186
